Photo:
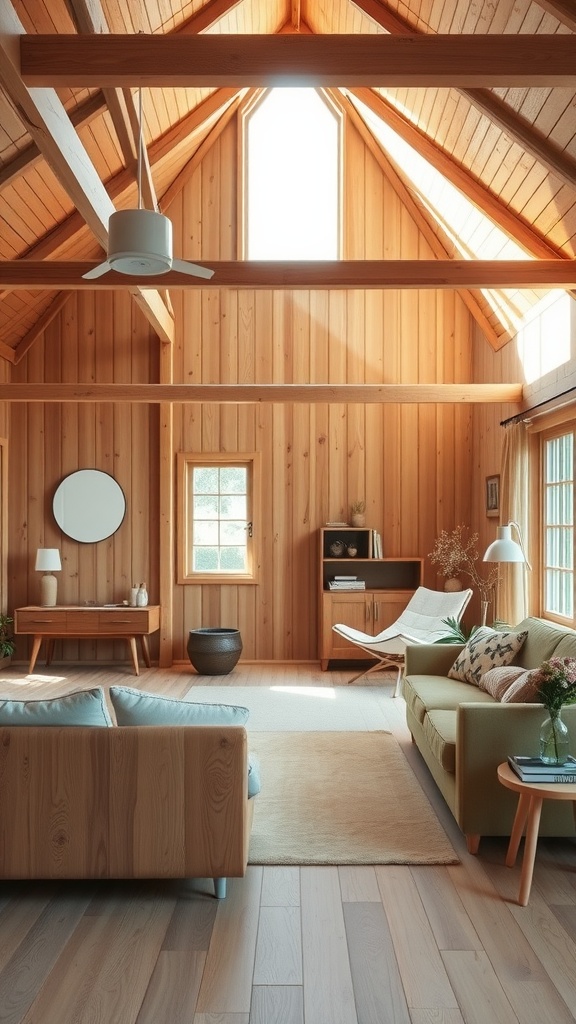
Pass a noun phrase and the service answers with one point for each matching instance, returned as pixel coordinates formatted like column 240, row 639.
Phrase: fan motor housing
column 140, row 242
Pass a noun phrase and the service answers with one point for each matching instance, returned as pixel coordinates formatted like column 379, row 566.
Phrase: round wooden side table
column 531, row 795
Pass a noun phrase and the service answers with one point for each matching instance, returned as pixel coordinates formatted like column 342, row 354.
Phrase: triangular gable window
column 292, row 161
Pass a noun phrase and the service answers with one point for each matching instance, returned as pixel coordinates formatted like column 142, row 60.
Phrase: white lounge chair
column 420, row 623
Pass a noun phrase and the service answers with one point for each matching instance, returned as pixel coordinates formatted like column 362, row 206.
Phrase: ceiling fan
column 140, row 241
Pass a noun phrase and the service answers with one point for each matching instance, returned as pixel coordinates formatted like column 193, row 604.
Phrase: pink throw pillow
column 497, row 680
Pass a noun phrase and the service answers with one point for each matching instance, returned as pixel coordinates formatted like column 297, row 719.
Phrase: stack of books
column 346, row 583
column 376, row 544
column 534, row 769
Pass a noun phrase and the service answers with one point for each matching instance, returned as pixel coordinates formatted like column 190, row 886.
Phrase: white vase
column 359, row 519
column 453, row 585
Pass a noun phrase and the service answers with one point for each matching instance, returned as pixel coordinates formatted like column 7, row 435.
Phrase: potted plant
column 7, row 645
column 357, row 513
column 455, row 555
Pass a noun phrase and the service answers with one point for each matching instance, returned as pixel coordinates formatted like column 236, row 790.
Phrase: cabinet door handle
column 368, row 611
column 376, row 612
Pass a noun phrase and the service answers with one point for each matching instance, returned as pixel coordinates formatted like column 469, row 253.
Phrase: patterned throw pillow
column 485, row 650
column 523, row 690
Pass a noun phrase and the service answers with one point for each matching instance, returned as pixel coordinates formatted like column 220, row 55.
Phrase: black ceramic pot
column 214, row 651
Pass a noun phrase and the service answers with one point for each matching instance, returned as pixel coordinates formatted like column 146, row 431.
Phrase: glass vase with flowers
column 555, row 686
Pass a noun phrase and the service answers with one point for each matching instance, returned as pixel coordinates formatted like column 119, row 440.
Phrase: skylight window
column 292, row 177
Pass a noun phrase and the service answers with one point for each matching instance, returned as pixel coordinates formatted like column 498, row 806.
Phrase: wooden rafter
column 79, row 116
column 550, row 156
column 298, row 59
column 53, row 274
column 49, row 314
column 50, row 127
column 488, row 203
column 237, row 394
column 561, row 9
column 422, row 218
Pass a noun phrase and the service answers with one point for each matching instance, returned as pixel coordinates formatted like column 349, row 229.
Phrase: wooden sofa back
column 124, row 802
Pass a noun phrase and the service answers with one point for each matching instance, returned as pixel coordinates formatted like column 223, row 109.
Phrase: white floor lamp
column 505, row 549
column 48, row 562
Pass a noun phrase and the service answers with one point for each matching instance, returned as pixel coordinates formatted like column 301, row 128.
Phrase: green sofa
column 463, row 734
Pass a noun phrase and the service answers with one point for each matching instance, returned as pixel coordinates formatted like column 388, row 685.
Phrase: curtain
column 515, row 507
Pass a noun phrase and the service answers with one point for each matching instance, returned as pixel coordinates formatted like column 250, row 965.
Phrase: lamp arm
column 520, row 541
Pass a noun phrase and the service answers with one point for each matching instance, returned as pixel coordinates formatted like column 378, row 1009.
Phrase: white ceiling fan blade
column 184, row 267
column 98, row 271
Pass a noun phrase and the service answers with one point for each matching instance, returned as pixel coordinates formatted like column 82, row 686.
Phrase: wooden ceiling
column 485, row 91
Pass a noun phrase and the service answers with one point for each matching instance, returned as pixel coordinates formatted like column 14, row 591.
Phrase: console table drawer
column 38, row 621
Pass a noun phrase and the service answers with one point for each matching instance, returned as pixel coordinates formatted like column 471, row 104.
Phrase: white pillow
column 134, row 707
column 485, row 650
column 86, row 707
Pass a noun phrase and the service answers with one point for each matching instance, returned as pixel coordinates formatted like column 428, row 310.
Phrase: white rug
column 303, row 708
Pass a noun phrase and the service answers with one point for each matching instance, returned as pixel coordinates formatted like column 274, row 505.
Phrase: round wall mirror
column 89, row 505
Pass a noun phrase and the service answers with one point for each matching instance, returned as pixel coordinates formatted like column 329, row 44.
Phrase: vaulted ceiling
column 484, row 91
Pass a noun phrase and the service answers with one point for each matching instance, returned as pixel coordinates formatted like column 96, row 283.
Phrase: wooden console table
column 89, row 621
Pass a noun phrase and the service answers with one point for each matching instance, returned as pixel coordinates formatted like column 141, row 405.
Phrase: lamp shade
column 504, row 549
column 48, row 560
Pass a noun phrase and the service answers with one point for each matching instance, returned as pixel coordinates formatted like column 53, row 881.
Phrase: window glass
column 558, row 547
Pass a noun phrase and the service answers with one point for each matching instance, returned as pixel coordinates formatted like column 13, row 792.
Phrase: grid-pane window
column 219, row 504
column 558, row 547
column 216, row 516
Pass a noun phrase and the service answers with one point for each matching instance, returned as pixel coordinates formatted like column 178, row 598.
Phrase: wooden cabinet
column 88, row 621
column 390, row 583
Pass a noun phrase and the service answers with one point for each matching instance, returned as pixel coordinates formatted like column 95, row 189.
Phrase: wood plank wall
column 410, row 463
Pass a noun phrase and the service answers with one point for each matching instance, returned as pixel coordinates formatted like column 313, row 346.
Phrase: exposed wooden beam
column 235, row 394
column 293, row 59
column 421, row 218
column 549, row 155
column 209, row 14
column 53, row 274
column 51, row 129
column 461, row 177
column 564, row 10
column 41, row 324
column 79, row 116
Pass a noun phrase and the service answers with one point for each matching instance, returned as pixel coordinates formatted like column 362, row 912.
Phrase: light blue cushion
column 254, row 785
column 134, row 707
column 87, row 707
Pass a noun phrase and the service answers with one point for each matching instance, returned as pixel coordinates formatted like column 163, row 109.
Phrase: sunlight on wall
column 292, row 174
column 543, row 341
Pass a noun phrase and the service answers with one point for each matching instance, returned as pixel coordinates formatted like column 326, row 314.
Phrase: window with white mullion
column 558, row 548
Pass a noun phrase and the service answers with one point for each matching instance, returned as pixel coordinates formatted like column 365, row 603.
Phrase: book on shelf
column 347, row 585
column 376, row 544
column 533, row 769
column 341, row 579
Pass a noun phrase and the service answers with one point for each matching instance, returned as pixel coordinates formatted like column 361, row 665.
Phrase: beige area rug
column 341, row 798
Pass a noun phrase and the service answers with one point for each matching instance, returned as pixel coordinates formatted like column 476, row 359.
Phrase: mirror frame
column 89, row 505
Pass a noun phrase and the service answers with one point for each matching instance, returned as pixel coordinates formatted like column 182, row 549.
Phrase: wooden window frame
column 549, row 435
column 186, row 462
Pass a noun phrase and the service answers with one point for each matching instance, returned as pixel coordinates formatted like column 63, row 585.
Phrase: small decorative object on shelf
column 337, row 548
column 555, row 683
column 352, row 551
column 142, row 596
column 357, row 513
column 134, row 595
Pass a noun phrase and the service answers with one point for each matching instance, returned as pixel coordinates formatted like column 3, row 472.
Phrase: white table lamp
column 48, row 561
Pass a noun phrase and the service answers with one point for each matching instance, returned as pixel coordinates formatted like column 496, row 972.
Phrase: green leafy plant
column 7, row 645
column 456, row 632
column 358, row 508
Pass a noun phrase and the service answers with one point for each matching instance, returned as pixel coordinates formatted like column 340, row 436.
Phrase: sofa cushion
column 85, row 708
column 524, row 690
column 485, row 650
column 423, row 693
column 566, row 648
column 541, row 643
column 497, row 680
column 440, row 733
column 134, row 707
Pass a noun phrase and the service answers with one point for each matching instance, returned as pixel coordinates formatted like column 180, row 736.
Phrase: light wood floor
column 310, row 945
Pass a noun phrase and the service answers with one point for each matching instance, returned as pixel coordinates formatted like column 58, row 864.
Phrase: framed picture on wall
column 492, row 495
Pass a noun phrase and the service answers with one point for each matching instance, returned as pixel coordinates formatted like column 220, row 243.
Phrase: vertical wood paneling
column 407, row 462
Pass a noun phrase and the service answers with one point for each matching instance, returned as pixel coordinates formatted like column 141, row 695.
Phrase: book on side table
column 534, row 769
